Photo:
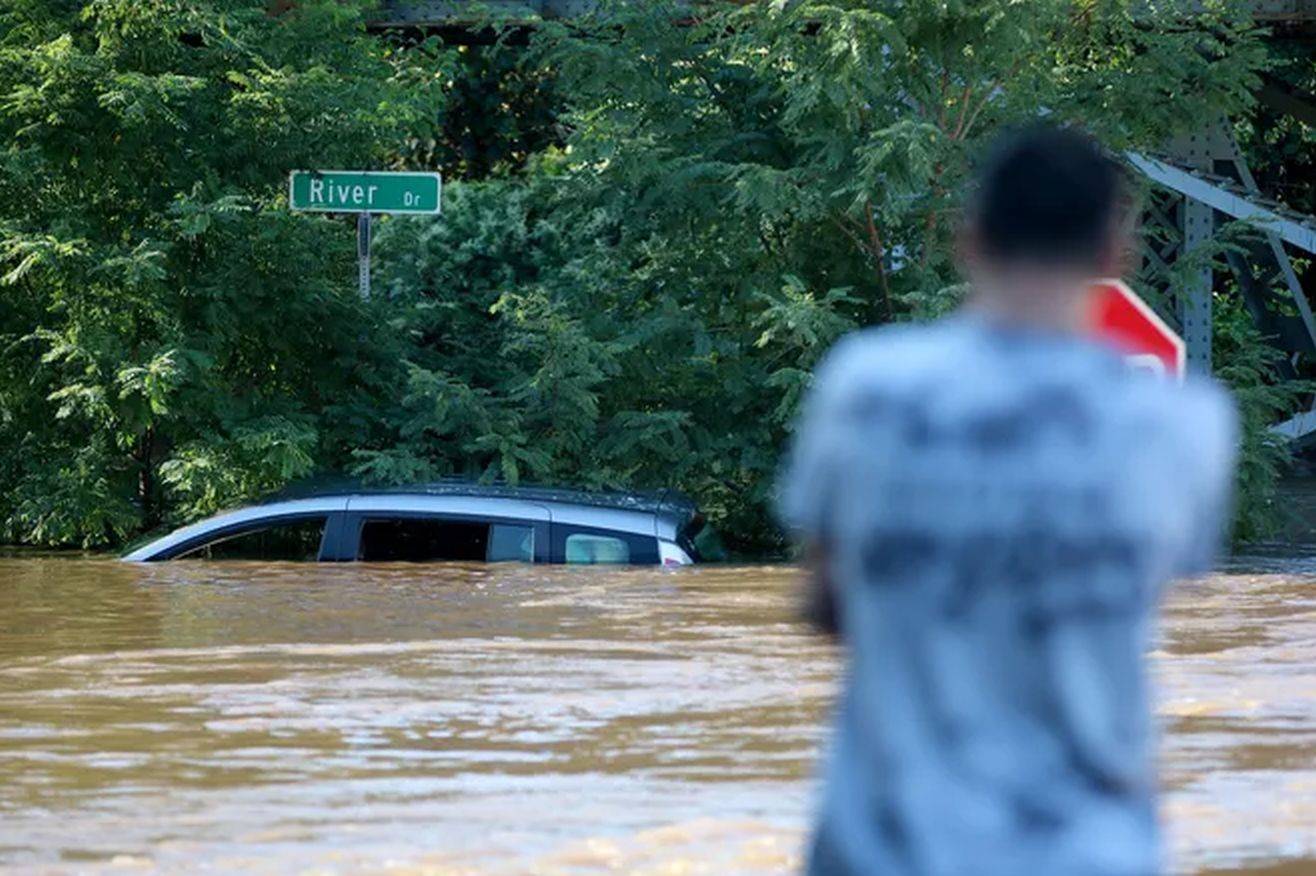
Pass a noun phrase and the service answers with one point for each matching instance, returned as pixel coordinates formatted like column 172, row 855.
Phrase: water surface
column 495, row 720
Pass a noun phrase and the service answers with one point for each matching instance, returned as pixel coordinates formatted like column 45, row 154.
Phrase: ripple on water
column 497, row 720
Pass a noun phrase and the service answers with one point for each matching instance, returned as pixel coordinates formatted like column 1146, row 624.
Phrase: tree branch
column 879, row 253
column 964, row 111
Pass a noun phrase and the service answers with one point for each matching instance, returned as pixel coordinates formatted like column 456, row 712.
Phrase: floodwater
column 199, row 717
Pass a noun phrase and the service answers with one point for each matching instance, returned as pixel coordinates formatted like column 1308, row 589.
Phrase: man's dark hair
column 1049, row 195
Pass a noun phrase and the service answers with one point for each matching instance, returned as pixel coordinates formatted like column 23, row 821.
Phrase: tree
column 668, row 212
column 735, row 189
column 171, row 338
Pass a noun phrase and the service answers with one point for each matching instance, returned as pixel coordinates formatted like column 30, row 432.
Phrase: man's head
column 1048, row 215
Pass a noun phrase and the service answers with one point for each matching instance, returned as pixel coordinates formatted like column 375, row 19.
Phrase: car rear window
column 590, row 549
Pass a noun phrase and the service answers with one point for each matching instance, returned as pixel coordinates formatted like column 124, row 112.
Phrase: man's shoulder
column 1197, row 413
column 1191, row 400
column 951, row 353
column 1203, row 395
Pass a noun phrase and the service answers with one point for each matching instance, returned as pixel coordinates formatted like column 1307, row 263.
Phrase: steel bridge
column 1199, row 182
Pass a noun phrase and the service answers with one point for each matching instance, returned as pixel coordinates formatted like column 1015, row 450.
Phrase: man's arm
column 819, row 606
column 808, row 484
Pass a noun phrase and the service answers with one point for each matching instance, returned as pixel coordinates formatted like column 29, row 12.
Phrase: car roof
column 668, row 504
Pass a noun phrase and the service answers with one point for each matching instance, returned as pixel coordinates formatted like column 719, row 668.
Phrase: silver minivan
column 446, row 522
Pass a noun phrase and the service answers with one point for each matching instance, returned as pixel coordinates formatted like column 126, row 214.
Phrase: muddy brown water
column 196, row 717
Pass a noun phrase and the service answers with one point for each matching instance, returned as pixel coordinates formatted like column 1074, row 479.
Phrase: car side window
column 511, row 543
column 285, row 540
column 422, row 540
column 584, row 548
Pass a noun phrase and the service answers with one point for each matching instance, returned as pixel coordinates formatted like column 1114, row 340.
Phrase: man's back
column 999, row 509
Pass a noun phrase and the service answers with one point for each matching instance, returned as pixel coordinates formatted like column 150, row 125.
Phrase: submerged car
column 447, row 522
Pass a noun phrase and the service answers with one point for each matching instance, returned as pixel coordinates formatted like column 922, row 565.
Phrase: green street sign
column 347, row 191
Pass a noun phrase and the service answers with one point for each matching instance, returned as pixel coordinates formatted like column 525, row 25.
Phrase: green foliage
column 171, row 338
column 496, row 113
column 1248, row 366
column 733, row 191
column 657, row 222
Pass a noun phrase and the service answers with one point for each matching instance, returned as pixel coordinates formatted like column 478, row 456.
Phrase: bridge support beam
column 1195, row 303
column 1197, row 225
column 1208, row 173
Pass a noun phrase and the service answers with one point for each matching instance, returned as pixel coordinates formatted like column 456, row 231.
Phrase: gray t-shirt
column 1000, row 508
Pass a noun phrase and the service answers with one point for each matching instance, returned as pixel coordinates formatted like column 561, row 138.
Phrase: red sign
column 1122, row 318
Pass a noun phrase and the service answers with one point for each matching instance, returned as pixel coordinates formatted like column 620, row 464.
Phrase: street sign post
column 1124, row 320
column 364, row 231
column 364, row 193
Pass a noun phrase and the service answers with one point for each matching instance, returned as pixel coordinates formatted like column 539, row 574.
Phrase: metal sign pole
column 363, row 229
column 365, row 193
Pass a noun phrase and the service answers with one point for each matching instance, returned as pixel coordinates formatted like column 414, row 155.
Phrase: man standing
column 993, row 504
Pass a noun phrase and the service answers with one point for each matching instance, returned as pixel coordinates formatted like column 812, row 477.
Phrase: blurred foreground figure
column 993, row 504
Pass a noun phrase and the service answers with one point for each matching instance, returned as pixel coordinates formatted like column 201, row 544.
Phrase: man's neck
column 1059, row 304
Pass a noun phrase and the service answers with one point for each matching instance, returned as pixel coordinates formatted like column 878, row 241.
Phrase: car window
column 297, row 540
column 590, row 549
column 421, row 540
column 511, row 543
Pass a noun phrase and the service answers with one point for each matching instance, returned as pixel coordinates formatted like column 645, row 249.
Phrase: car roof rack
column 667, row 502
